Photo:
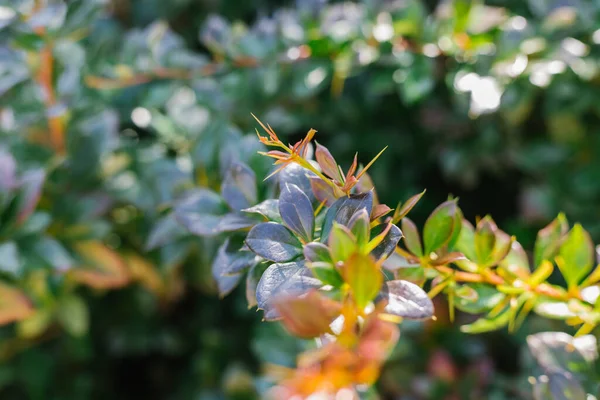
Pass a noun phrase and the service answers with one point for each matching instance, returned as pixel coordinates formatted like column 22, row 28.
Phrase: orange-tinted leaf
column 379, row 211
column 145, row 273
column 402, row 211
column 309, row 315
column 103, row 268
column 14, row 305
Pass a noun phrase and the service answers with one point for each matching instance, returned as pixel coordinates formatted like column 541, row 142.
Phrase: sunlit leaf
column 308, row 315
column 364, row 278
column 440, row 226
column 289, row 279
column 273, row 242
column 407, row 300
column 296, row 211
column 576, row 255
column 549, row 239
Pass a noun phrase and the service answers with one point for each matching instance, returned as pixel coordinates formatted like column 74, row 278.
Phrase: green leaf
column 363, row 276
column 485, row 240
column 360, row 228
column 576, row 255
column 341, row 242
column 487, row 324
column 73, row 315
column 327, row 273
column 411, row 237
column 440, row 226
column 487, row 297
column 317, row 252
column 268, row 209
column 549, row 239
column 273, row 242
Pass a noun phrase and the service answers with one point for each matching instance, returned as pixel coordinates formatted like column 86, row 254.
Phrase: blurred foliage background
column 110, row 109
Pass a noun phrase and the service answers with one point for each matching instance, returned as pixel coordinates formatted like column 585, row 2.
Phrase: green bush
column 114, row 115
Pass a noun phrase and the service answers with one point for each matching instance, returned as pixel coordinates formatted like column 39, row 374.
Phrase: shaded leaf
column 411, row 237
column 239, row 187
column 9, row 258
column 327, row 163
column 200, row 212
column 14, row 305
column 225, row 283
column 73, row 315
column 164, row 231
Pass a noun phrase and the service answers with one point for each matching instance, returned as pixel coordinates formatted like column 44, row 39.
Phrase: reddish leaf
column 307, row 316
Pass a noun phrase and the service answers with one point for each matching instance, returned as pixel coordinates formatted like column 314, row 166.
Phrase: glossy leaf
column 402, row 211
column 273, row 242
column 344, row 209
column 360, row 227
column 327, row 162
column 388, row 244
column 289, row 279
column 296, row 211
column 268, row 209
column 440, row 226
column 549, row 239
column 406, row 300
column 576, row 255
column 317, row 252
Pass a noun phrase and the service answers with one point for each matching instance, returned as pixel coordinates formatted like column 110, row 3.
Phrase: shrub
column 128, row 186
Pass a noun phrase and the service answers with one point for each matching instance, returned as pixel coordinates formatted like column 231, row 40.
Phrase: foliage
column 127, row 186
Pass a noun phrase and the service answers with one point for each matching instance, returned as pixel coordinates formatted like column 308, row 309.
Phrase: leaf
column 341, row 243
column 291, row 279
column 35, row 324
column 273, row 242
column 327, row 163
column 485, row 240
column 466, row 241
column 323, row 192
column 360, row 227
column 53, row 253
column 388, row 244
column 8, row 168
column 10, row 261
column 296, row 211
column 225, row 283
column 239, row 186
column 200, row 212
column 487, row 324
column 576, row 255
column 516, row 261
column 398, row 261
column 487, row 297
column 559, row 350
column 30, row 191
column 309, row 315
column 317, row 252
column 553, row 309
column 402, row 211
column 411, row 237
column 379, row 211
column 147, row 274
column 549, row 239
column 234, row 260
column 233, row 222
column 73, row 315
column 344, row 209
column 268, row 209
column 14, row 305
column 363, row 277
column 327, row 273
column 440, row 226
column 165, row 230
column 296, row 175
column 377, row 340
column 558, row 385
column 406, row 300
column 102, row 267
